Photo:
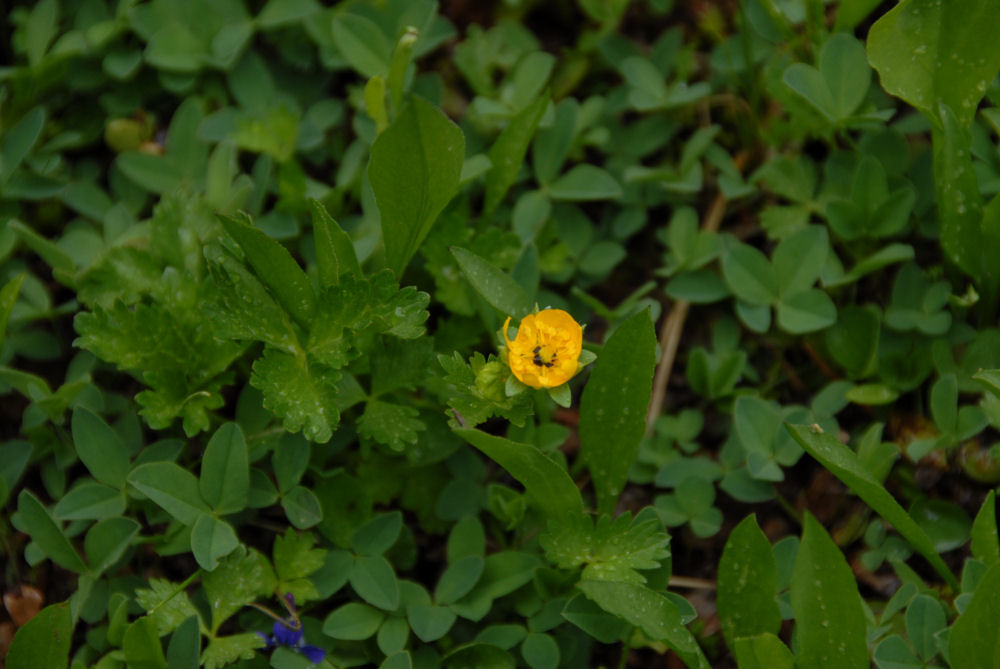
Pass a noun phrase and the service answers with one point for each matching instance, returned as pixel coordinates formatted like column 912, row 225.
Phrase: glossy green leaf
column 763, row 651
column 335, row 254
column 546, row 482
column 242, row 577
column 508, row 151
column 44, row 641
column 415, row 168
column 928, row 52
column 614, row 404
column 844, row 464
column 225, row 470
column 34, row 518
column 653, row 612
column 171, row 487
column 275, row 267
column 985, row 544
column 494, row 285
column 829, row 616
column 973, row 641
column 747, row 583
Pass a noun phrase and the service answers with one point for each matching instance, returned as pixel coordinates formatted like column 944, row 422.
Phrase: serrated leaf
column 466, row 396
column 225, row 650
column 242, row 577
column 164, row 602
column 391, row 424
column 303, row 395
column 294, row 555
column 335, row 254
column 611, row 550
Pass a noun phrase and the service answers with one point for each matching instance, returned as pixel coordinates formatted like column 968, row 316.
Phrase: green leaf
column 594, row 620
column 429, row 622
column 654, row 613
column 804, row 312
column 972, row 642
column 540, row 651
column 798, row 259
column 302, row 507
column 44, row 641
column 894, row 653
column 165, row 602
column 838, row 87
column 353, row 622
column 100, row 448
column 89, row 501
column 52, row 254
column 185, row 646
column 610, row 550
column 924, row 619
column 335, row 254
column 458, row 579
column 829, row 615
column 853, row 340
column 614, row 403
column 585, row 183
column 142, row 645
column 391, row 424
column 415, row 168
column 493, row 284
column 362, row 44
column 294, row 555
column 225, row 470
column 398, row 660
column 928, row 53
column 844, row 464
column 211, row 540
column 275, row 267
column 303, row 395
column 171, row 487
column 749, row 274
column 34, row 519
column 508, row 151
column 40, row 29
column 377, row 535
column 107, row 541
column 154, row 173
column 375, row 582
column 764, row 651
column 242, row 577
column 18, row 140
column 228, row 649
column 476, row 655
column 546, row 482
column 985, row 546
column 747, row 584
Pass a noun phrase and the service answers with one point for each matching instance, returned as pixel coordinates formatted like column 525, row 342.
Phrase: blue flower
column 285, row 635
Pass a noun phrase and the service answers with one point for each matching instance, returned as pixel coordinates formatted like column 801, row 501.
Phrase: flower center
column 543, row 357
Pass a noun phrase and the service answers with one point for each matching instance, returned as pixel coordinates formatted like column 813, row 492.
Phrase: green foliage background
column 255, row 258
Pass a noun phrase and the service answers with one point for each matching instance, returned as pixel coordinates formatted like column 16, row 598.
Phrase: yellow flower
column 545, row 352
